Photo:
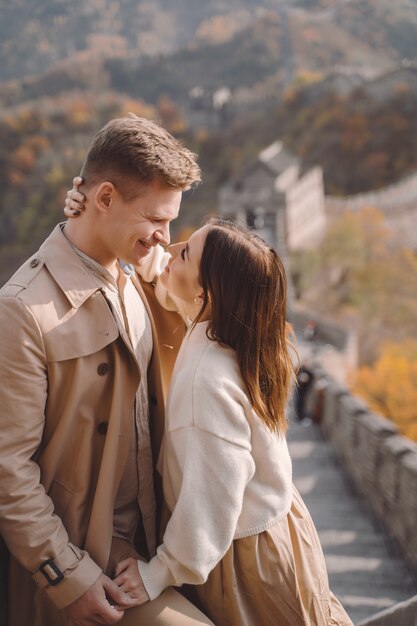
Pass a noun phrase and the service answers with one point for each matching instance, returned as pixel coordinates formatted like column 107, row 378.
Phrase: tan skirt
column 276, row 578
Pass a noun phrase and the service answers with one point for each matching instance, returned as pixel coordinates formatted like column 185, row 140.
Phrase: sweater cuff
column 155, row 576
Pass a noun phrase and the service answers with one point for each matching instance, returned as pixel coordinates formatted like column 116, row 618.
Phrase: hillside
column 151, row 48
column 36, row 35
column 66, row 68
column 43, row 146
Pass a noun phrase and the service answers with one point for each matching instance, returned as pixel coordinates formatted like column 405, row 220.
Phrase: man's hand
column 129, row 580
column 103, row 603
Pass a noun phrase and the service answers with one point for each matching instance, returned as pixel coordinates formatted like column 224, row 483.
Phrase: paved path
column 365, row 571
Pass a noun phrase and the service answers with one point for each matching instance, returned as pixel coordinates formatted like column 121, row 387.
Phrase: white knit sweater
column 225, row 474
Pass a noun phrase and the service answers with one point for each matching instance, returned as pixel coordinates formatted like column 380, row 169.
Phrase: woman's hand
column 129, row 580
column 74, row 202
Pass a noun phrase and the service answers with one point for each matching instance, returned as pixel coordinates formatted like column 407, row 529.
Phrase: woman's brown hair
column 244, row 280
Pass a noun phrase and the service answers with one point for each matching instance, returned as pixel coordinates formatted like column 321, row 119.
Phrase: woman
column 239, row 531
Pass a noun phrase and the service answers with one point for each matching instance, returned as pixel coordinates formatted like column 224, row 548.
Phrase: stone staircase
column 366, row 569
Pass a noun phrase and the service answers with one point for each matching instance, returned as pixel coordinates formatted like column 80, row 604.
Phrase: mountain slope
column 37, row 34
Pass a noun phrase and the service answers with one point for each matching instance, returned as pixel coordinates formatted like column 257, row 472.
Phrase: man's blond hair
column 132, row 152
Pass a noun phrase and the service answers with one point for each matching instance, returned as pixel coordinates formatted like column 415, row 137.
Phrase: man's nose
column 162, row 235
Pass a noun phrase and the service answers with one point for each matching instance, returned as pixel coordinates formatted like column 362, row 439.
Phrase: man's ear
column 104, row 196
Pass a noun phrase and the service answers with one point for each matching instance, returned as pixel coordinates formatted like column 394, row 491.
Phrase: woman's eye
column 183, row 254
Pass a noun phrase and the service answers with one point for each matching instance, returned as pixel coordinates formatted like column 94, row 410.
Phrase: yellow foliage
column 378, row 280
column 23, row 158
column 390, row 385
column 39, row 143
column 138, row 107
column 221, row 28
column 170, row 115
column 303, row 78
column 15, row 178
column 312, row 35
column 79, row 115
column 56, row 175
column 363, row 232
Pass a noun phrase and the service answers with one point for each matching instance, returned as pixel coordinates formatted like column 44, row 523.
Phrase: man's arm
column 33, row 533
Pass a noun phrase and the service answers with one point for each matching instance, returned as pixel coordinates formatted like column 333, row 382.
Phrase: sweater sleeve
column 152, row 265
column 150, row 269
column 215, row 472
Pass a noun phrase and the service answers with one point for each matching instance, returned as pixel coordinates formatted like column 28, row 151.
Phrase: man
column 84, row 373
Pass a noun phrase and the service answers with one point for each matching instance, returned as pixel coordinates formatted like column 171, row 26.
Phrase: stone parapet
column 381, row 463
column 401, row 614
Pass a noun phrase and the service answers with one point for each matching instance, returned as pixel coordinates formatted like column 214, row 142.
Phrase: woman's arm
column 204, row 520
column 210, row 465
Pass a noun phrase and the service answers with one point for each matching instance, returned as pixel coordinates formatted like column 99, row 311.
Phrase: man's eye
column 183, row 254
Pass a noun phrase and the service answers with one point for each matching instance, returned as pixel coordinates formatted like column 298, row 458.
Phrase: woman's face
column 181, row 275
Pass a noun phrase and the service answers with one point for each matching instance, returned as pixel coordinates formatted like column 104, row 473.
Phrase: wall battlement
column 398, row 204
column 381, row 462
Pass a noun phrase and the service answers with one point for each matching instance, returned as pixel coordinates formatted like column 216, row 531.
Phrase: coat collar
column 66, row 268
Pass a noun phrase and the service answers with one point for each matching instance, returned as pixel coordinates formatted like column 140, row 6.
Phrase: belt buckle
column 51, row 572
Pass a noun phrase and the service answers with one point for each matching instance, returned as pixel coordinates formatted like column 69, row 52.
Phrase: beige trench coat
column 68, row 383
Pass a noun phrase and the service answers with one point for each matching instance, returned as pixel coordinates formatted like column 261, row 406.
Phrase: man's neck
column 81, row 239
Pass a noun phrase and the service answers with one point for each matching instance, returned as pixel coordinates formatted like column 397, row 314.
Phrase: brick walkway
column 365, row 571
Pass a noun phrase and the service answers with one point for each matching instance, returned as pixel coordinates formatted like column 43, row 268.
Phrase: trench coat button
column 34, row 262
column 153, row 400
column 103, row 369
column 102, row 428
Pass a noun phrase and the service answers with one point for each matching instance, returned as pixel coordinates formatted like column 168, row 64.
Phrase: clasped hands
column 106, row 600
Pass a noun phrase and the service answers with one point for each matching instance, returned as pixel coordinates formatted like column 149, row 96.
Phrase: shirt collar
column 67, row 268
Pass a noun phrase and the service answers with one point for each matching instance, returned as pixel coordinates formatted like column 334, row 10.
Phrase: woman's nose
column 174, row 248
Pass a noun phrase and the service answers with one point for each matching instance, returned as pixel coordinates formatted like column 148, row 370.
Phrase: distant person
column 239, row 531
column 310, row 331
column 84, row 366
column 305, row 381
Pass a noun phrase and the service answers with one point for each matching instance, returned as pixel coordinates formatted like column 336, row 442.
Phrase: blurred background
column 304, row 117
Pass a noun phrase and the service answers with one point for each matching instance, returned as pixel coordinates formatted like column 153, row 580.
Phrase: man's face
column 133, row 227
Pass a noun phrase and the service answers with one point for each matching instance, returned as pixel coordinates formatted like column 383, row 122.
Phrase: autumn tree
column 358, row 274
column 390, row 385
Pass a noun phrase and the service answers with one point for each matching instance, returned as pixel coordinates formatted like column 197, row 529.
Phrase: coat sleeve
column 31, row 530
column 216, row 469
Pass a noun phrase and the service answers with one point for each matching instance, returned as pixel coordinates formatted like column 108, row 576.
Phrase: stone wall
column 402, row 194
column 381, row 462
column 398, row 203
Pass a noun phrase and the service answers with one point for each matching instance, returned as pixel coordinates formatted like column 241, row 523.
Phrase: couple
column 87, row 355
